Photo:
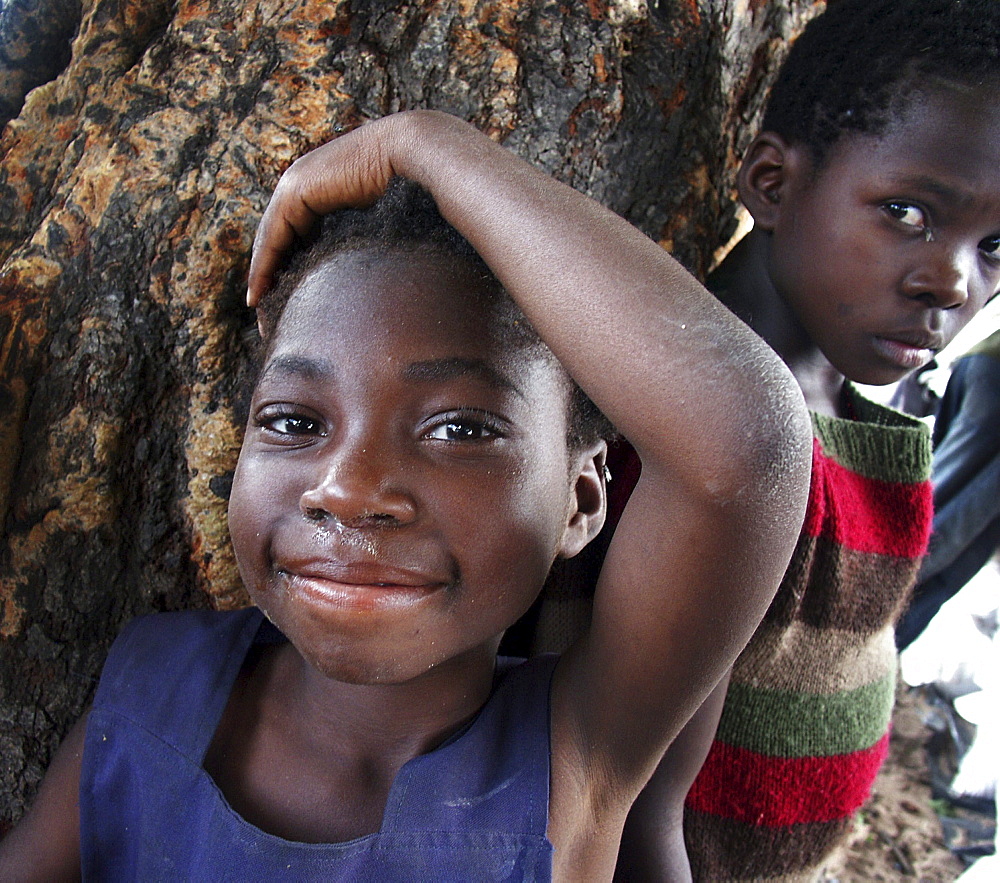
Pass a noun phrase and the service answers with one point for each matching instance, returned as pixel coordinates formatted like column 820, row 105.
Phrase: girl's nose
column 359, row 485
column 943, row 277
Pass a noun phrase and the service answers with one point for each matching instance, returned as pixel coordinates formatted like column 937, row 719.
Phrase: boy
column 876, row 198
column 875, row 192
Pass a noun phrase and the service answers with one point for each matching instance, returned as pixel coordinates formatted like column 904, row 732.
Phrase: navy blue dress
column 474, row 809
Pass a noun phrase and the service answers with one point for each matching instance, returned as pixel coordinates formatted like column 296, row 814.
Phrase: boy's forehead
column 945, row 131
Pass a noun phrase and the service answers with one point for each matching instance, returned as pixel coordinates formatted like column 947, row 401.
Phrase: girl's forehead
column 407, row 308
column 418, row 286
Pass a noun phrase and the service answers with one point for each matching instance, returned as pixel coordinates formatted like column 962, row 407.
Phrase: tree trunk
column 131, row 181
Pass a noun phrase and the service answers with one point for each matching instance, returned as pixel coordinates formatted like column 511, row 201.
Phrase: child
column 875, row 192
column 413, row 463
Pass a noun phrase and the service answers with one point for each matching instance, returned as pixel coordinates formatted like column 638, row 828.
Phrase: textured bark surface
column 132, row 176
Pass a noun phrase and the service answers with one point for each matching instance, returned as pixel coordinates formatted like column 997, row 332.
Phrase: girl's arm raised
column 716, row 417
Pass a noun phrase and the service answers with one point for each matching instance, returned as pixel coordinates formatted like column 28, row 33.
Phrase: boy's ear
column 589, row 500
column 768, row 166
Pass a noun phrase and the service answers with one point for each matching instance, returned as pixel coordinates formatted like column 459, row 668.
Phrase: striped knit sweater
column 805, row 725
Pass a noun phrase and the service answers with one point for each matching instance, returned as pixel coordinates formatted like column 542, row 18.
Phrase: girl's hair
column 856, row 64
column 406, row 221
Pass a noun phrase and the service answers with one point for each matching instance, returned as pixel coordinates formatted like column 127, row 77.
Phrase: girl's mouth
column 363, row 589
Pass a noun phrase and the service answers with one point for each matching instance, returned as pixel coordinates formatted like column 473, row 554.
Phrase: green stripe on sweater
column 783, row 724
column 883, row 443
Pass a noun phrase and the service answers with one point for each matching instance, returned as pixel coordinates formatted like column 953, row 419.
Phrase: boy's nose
column 942, row 279
column 359, row 486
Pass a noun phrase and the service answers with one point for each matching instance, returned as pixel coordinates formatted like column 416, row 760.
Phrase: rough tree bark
column 131, row 180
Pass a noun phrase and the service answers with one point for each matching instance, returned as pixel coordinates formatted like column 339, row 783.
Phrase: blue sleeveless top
column 474, row 809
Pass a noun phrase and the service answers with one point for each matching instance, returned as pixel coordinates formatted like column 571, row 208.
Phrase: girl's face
column 404, row 484
column 889, row 250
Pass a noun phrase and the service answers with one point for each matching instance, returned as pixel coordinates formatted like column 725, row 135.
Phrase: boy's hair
column 856, row 64
column 406, row 221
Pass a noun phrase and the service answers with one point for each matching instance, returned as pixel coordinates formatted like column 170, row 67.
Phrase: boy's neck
column 743, row 283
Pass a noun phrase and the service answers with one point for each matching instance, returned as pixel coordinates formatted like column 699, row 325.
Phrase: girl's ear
column 588, row 502
column 765, row 175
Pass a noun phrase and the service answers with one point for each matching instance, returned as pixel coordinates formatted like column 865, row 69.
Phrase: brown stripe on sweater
column 843, row 588
column 800, row 658
column 725, row 850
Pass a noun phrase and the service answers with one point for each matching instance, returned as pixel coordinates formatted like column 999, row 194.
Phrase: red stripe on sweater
column 866, row 514
column 774, row 792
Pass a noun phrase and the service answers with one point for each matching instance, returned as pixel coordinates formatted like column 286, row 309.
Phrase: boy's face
column 405, row 483
column 887, row 252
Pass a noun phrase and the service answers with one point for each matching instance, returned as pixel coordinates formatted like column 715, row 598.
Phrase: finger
column 287, row 216
column 266, row 258
column 348, row 172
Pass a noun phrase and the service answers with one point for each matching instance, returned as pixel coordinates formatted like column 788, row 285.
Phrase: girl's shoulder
column 167, row 672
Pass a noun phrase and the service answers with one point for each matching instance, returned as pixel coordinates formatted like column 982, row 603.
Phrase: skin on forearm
column 45, row 845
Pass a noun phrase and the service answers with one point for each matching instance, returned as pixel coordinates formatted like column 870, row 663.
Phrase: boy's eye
column 906, row 213
column 991, row 246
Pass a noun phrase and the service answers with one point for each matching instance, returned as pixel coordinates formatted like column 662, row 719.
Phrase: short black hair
column 855, row 65
column 406, row 221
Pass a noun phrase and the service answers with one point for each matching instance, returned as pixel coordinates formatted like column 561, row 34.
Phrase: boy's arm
column 716, row 418
column 45, row 845
column 652, row 845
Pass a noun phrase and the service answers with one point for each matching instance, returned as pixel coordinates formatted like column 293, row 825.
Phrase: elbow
column 774, row 454
column 764, row 459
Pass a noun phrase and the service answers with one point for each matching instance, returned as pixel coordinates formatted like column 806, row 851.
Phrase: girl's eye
column 990, row 246
column 462, row 430
column 907, row 214
column 290, row 424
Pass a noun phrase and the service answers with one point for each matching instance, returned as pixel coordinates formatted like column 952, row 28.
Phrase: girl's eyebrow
column 298, row 366
column 425, row 371
column 455, row 366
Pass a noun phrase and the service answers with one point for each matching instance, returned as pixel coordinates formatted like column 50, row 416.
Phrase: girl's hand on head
column 350, row 171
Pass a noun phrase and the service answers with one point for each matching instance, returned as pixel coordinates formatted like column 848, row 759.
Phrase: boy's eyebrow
column 933, row 185
column 456, row 366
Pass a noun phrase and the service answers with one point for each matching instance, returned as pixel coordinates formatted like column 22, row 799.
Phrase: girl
column 416, row 457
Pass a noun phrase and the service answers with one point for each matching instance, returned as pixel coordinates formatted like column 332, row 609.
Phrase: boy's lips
column 909, row 349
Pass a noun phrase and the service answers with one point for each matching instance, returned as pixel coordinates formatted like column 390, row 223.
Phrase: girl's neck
column 407, row 719
column 742, row 282
column 312, row 759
